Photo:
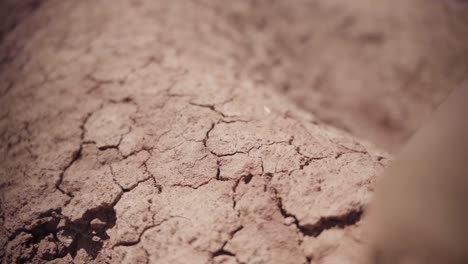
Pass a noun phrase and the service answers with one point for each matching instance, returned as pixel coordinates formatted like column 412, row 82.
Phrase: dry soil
column 153, row 131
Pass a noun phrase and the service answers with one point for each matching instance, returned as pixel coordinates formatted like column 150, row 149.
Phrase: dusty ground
column 374, row 68
column 152, row 131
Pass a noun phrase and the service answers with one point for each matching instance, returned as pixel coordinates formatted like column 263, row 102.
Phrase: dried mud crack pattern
column 124, row 143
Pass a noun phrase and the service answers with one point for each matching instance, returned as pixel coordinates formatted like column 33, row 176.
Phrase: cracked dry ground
column 126, row 142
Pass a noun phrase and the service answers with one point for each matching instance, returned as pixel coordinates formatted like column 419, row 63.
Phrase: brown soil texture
column 153, row 131
column 376, row 69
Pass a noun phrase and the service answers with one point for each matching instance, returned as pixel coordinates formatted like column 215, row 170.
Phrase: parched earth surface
column 152, row 132
column 376, row 69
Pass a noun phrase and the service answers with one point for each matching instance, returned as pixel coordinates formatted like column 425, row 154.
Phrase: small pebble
column 289, row 220
column 97, row 224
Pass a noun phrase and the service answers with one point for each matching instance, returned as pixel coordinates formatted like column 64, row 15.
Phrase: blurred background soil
column 13, row 11
column 376, row 68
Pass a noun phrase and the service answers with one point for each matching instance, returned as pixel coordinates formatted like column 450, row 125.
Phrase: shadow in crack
column 52, row 236
column 89, row 233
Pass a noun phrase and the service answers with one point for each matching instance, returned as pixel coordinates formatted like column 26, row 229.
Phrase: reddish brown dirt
column 151, row 132
column 374, row 68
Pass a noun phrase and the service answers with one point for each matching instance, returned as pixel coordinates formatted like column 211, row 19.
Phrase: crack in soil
column 314, row 230
column 221, row 251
